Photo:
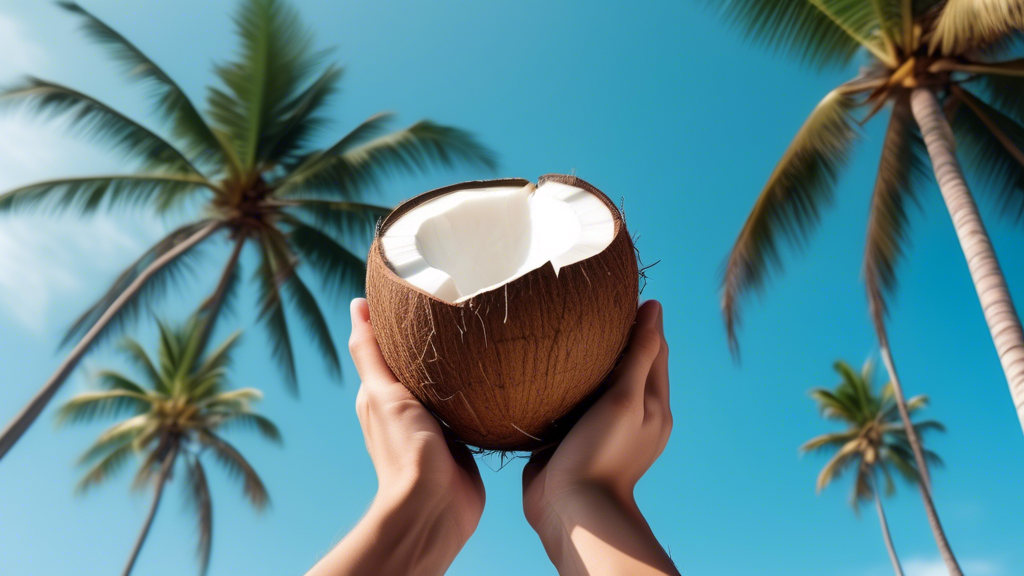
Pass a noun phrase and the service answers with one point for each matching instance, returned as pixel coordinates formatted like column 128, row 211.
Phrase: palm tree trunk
column 165, row 471
column 925, row 485
column 1002, row 319
column 31, row 411
column 885, row 534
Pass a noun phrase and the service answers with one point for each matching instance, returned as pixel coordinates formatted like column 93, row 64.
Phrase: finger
column 362, row 344
column 630, row 377
column 656, row 392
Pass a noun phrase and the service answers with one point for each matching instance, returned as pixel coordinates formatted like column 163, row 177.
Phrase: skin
column 578, row 496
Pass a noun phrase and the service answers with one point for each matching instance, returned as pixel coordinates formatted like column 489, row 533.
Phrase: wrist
column 421, row 536
column 553, row 515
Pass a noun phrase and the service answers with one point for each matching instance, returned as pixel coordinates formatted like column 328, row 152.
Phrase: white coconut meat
column 470, row 241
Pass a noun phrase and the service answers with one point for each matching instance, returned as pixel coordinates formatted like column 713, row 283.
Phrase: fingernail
column 359, row 309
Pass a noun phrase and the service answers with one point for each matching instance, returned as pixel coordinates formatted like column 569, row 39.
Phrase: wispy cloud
column 19, row 53
column 45, row 261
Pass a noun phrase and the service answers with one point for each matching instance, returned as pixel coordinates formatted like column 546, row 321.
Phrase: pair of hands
column 578, row 496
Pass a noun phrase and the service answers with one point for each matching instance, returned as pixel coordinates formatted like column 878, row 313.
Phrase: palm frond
column 270, row 275
column 994, row 150
column 842, row 459
column 90, row 406
column 90, row 193
column 965, row 25
column 107, row 467
column 831, row 440
column 306, row 305
column 820, row 32
column 834, row 407
column 339, row 269
column 372, row 127
column 197, row 497
column 115, row 381
column 348, row 221
column 348, row 173
column 289, row 137
column 137, row 356
column 275, row 61
column 219, row 358
column 236, row 465
column 234, row 400
column 900, row 171
column 790, row 203
column 249, row 421
column 151, row 291
column 171, row 101
column 1002, row 93
column 101, row 123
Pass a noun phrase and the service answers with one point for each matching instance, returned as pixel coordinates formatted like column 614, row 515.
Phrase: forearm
column 594, row 533
column 394, row 538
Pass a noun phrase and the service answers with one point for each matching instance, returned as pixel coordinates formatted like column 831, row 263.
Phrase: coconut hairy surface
column 502, row 305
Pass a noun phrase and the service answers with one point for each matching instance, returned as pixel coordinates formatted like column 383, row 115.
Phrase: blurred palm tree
column 917, row 53
column 247, row 168
column 177, row 411
column 873, row 442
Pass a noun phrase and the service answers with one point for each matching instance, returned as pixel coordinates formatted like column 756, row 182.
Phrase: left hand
column 413, row 459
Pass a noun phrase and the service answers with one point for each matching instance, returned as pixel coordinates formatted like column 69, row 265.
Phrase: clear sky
column 655, row 102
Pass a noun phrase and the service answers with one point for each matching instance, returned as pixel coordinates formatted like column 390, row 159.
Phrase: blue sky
column 658, row 103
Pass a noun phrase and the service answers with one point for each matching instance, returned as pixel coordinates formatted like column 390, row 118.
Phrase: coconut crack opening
column 470, row 241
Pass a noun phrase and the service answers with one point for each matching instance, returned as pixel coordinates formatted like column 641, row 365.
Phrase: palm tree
column 247, row 168
column 917, row 51
column 874, row 440
column 177, row 411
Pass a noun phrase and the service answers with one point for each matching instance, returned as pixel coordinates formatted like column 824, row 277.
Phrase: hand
column 430, row 496
column 579, row 496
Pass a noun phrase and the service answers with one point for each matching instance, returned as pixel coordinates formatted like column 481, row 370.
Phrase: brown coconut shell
column 504, row 367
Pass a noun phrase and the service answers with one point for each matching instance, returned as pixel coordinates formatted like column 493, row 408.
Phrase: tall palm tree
column 176, row 413
column 943, row 68
column 246, row 168
column 874, row 442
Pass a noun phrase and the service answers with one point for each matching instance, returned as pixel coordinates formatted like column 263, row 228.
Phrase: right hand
column 619, row 437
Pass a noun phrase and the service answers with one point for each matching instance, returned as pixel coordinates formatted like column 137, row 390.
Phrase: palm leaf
column 100, row 122
column 197, row 497
column 90, row 193
column 171, row 101
column 994, row 149
column 110, row 380
column 834, row 407
column 831, row 440
column 900, row 171
column 237, row 466
column 347, row 173
column 89, row 406
column 275, row 60
column 219, row 358
column 837, row 464
column 965, row 25
column 269, row 276
column 306, row 305
column 1002, row 92
column 820, row 32
column 108, row 466
column 790, row 203
column 150, row 292
column 339, row 269
column 349, row 221
column 137, row 355
column 249, row 421
column 294, row 132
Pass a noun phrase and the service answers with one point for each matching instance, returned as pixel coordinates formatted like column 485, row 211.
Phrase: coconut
column 503, row 305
